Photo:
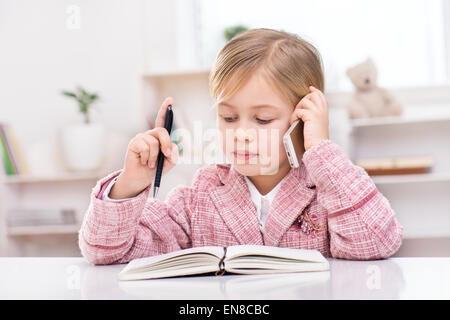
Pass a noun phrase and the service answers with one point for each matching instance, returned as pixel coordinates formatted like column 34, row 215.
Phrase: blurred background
column 79, row 79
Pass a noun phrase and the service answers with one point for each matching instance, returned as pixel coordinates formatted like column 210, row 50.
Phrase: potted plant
column 83, row 144
column 232, row 31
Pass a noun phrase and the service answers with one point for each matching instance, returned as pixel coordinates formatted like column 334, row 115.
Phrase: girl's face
column 252, row 123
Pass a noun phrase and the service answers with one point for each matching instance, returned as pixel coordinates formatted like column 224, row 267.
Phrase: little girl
column 262, row 81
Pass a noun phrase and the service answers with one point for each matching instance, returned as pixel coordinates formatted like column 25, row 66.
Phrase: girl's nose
column 244, row 134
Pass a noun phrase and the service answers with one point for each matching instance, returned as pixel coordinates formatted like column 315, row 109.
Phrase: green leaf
column 233, row 31
column 83, row 107
column 84, row 99
column 69, row 94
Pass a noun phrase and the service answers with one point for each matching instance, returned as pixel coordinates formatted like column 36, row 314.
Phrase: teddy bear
column 369, row 100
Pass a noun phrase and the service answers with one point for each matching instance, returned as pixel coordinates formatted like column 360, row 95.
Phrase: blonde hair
column 288, row 62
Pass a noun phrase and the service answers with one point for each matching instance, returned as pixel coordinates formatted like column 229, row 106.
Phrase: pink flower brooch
column 306, row 223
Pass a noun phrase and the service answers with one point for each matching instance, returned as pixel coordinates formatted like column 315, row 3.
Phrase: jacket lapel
column 234, row 204
column 233, row 201
column 294, row 195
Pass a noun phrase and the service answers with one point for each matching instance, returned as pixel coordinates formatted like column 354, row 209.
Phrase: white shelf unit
column 412, row 115
column 411, row 178
column 63, row 191
column 421, row 201
column 65, row 177
column 43, row 230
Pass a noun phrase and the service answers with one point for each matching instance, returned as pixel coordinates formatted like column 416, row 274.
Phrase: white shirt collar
column 258, row 199
column 256, row 195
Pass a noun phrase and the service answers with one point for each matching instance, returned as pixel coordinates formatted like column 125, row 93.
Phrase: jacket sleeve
column 361, row 222
column 117, row 232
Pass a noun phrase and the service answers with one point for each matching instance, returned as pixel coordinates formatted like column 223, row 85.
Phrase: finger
column 321, row 95
column 173, row 159
column 145, row 149
column 167, row 166
column 304, row 97
column 139, row 147
column 144, row 157
column 162, row 112
column 307, row 104
column 314, row 97
column 164, row 140
column 298, row 114
column 171, row 162
column 153, row 143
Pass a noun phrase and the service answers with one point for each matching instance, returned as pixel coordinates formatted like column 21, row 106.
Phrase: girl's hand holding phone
column 140, row 160
column 313, row 111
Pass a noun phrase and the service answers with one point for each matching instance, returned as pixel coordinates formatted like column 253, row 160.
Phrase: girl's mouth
column 244, row 155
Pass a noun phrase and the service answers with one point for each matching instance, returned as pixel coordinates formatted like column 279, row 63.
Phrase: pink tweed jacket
column 327, row 204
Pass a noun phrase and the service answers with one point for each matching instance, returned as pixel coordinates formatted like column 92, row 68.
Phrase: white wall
column 171, row 36
column 40, row 55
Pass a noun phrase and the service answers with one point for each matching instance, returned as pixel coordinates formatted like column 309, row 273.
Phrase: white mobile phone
column 294, row 144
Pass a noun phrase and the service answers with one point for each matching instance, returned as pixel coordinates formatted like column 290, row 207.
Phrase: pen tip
column 155, row 191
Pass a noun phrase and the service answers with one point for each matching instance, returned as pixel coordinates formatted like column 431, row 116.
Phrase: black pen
column 168, row 126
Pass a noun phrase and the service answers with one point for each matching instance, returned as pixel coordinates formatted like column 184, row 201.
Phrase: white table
column 74, row 278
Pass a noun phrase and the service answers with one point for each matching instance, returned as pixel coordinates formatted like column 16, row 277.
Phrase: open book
column 241, row 259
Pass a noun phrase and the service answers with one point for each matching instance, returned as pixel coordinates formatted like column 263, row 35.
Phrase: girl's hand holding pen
column 141, row 158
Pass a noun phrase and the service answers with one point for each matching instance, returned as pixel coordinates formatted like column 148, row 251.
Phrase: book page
column 180, row 258
column 166, row 273
column 275, row 252
column 263, row 267
column 257, row 259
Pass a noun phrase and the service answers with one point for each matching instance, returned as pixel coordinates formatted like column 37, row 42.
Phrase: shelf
column 66, row 177
column 412, row 178
column 412, row 115
column 43, row 230
column 426, row 234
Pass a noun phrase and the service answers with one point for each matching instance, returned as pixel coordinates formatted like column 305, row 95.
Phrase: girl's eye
column 263, row 121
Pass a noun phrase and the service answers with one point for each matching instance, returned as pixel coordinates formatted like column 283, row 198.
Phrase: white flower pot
column 82, row 146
